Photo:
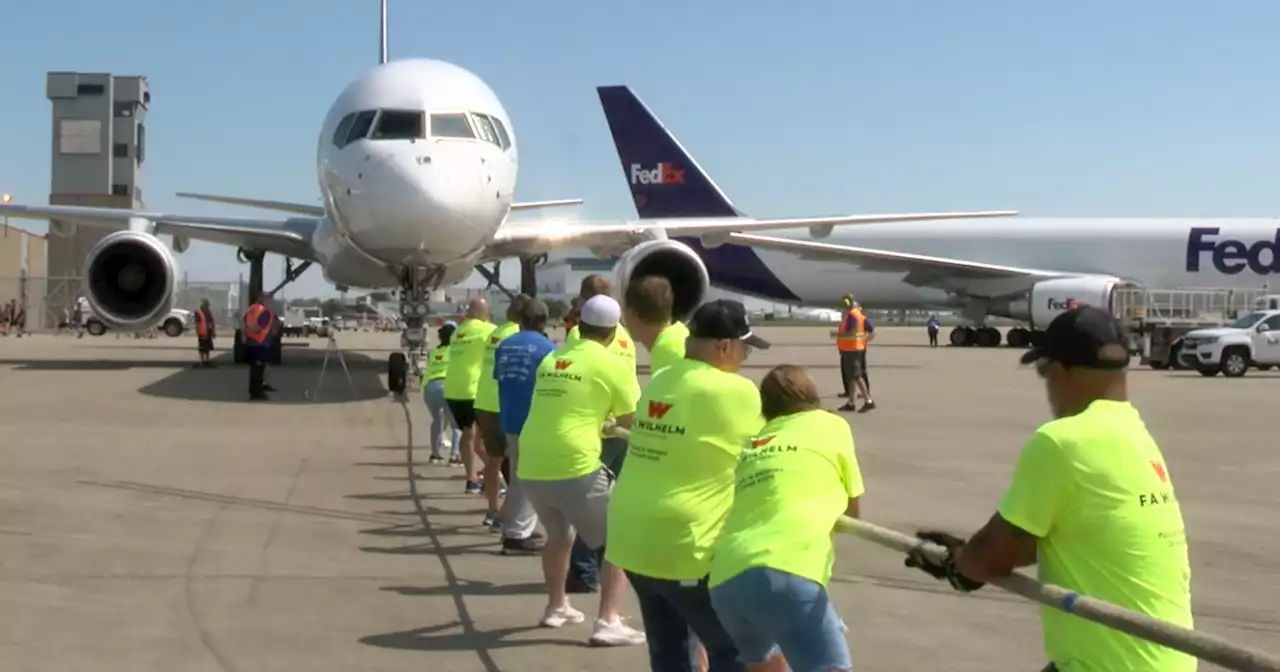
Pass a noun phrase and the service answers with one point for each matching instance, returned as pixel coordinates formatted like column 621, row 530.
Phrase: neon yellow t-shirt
column 670, row 502
column 487, row 392
column 622, row 345
column 437, row 365
column 1095, row 490
column 793, row 482
column 577, row 387
column 465, row 357
column 668, row 347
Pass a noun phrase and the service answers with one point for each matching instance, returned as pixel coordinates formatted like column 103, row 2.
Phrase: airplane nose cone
column 418, row 204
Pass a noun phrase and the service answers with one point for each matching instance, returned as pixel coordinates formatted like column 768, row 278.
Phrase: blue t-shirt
column 515, row 367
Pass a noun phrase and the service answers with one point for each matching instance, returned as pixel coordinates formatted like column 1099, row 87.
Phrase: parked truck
column 1166, row 326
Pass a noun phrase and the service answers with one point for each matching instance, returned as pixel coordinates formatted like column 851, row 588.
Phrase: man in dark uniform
column 259, row 329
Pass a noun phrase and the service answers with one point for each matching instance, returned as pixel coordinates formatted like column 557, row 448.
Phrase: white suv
column 1251, row 341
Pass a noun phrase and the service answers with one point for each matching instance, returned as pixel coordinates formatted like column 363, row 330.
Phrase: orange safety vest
column 202, row 324
column 257, row 323
column 855, row 340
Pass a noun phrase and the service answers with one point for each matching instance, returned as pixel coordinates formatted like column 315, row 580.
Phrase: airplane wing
column 318, row 211
column 290, row 237
column 922, row 270
column 616, row 237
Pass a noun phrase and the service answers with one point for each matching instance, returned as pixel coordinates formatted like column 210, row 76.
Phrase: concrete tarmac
column 152, row 520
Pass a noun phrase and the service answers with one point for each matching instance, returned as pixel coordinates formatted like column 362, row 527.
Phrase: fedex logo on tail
column 663, row 173
column 1232, row 257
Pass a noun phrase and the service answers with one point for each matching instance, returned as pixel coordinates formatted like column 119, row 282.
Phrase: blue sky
column 821, row 107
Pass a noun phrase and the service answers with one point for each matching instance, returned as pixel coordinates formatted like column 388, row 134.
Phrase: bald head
column 478, row 308
column 593, row 285
column 788, row 389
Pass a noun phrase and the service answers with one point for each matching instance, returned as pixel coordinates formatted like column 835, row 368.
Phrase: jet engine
column 1050, row 298
column 131, row 280
column 674, row 261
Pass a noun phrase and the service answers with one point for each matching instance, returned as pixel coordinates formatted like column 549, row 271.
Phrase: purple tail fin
column 664, row 180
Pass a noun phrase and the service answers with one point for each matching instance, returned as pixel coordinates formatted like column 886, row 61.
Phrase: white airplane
column 416, row 162
column 1028, row 269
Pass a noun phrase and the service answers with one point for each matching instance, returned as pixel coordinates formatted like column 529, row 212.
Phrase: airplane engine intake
column 1050, row 298
column 130, row 280
column 674, row 261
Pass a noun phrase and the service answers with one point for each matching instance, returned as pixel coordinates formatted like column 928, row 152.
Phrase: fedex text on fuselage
column 1231, row 257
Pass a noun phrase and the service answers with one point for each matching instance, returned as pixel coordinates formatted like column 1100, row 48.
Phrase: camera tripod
column 330, row 348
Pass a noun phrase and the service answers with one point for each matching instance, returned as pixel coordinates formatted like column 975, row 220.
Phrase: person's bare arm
column 853, row 511
column 624, row 420
column 996, row 550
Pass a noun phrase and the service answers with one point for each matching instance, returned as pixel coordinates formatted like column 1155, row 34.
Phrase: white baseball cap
column 601, row 311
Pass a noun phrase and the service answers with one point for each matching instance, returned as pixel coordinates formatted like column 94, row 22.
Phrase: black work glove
column 945, row 570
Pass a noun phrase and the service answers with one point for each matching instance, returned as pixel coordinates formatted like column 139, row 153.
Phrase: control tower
column 99, row 144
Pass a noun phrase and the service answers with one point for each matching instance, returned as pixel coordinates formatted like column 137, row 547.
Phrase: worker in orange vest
column 259, row 329
column 204, row 332
column 855, row 332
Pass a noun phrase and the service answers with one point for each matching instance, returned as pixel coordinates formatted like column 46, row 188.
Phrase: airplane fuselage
column 416, row 163
column 1153, row 252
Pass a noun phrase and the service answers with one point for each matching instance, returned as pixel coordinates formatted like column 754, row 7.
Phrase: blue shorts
column 764, row 609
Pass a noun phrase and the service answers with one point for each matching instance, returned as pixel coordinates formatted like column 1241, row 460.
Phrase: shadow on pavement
column 472, row 589
column 294, row 380
column 425, row 639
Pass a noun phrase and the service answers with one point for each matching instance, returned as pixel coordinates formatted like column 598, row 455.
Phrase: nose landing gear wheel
column 397, row 370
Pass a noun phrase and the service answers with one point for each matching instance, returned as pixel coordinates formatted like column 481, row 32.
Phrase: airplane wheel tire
column 988, row 337
column 960, row 337
column 397, row 370
column 1018, row 337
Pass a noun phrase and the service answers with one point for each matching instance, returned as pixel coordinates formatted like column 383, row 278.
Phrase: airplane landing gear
column 416, row 285
column 1019, row 337
column 980, row 336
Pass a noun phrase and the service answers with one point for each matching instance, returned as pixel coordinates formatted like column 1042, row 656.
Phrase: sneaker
column 867, row 407
column 496, row 524
column 526, row 546
column 847, row 407
column 435, row 459
column 473, row 488
column 555, row 617
column 615, row 633
column 455, row 461
column 491, row 518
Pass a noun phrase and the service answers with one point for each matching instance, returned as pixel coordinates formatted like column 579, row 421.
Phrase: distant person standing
column 259, row 329
column 204, row 332
column 932, row 326
column 855, row 332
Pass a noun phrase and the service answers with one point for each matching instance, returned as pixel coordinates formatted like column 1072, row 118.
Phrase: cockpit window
column 451, row 125
column 399, row 125
column 485, row 127
column 502, row 132
column 360, row 126
column 344, row 127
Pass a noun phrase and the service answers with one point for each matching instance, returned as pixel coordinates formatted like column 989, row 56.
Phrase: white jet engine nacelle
column 674, row 261
column 1050, row 298
column 130, row 280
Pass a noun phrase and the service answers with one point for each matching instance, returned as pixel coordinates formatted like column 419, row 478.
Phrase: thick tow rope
column 1202, row 645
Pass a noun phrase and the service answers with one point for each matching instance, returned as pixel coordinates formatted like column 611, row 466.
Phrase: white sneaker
column 555, row 617
column 614, row 633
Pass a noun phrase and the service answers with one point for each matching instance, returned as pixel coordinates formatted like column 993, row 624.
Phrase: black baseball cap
column 724, row 319
column 1084, row 337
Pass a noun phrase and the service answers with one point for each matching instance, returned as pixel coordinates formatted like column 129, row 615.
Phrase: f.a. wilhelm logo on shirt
column 622, row 343
column 654, row 425
column 562, row 364
column 1159, row 469
column 760, row 441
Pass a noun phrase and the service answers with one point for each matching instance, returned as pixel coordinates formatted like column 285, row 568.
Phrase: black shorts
column 852, row 364
column 464, row 412
column 205, row 343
